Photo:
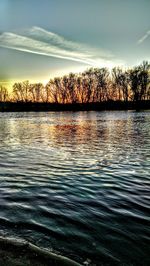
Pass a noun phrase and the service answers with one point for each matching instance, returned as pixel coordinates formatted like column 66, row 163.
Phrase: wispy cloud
column 39, row 41
column 144, row 37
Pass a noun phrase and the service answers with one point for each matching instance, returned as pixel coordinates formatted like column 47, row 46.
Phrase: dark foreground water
column 78, row 184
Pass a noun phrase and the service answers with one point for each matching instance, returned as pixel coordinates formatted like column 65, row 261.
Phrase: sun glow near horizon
column 57, row 73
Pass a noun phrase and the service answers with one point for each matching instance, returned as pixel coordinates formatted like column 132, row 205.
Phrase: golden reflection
column 81, row 131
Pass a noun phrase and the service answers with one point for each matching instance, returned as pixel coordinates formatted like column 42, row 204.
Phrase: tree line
column 94, row 85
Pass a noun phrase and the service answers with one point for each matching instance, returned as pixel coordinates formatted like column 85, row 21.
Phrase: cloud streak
column 143, row 38
column 39, row 41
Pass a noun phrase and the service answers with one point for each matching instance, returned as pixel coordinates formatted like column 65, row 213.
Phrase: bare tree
column 93, row 85
column 102, row 80
column 3, row 94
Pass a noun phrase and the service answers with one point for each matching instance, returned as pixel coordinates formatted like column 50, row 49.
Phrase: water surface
column 78, row 183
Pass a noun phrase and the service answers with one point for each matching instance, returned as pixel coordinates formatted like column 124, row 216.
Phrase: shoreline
column 44, row 107
column 20, row 252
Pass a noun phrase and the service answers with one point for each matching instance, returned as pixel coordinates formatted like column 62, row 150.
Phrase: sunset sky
column 43, row 39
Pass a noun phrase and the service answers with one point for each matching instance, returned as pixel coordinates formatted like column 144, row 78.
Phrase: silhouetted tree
column 18, row 92
column 36, row 91
column 144, row 80
column 102, row 80
column 116, row 75
column 3, row 94
column 92, row 86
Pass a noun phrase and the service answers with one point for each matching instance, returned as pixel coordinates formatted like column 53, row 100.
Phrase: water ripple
column 78, row 183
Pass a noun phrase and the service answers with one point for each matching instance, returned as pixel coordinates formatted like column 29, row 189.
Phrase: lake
column 78, row 183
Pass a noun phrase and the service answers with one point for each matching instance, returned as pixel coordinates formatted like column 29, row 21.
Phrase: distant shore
column 40, row 107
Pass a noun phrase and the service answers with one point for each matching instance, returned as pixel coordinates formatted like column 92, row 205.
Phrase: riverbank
column 22, row 253
column 38, row 107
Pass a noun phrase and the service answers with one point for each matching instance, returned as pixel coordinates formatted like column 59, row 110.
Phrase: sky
column 41, row 39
